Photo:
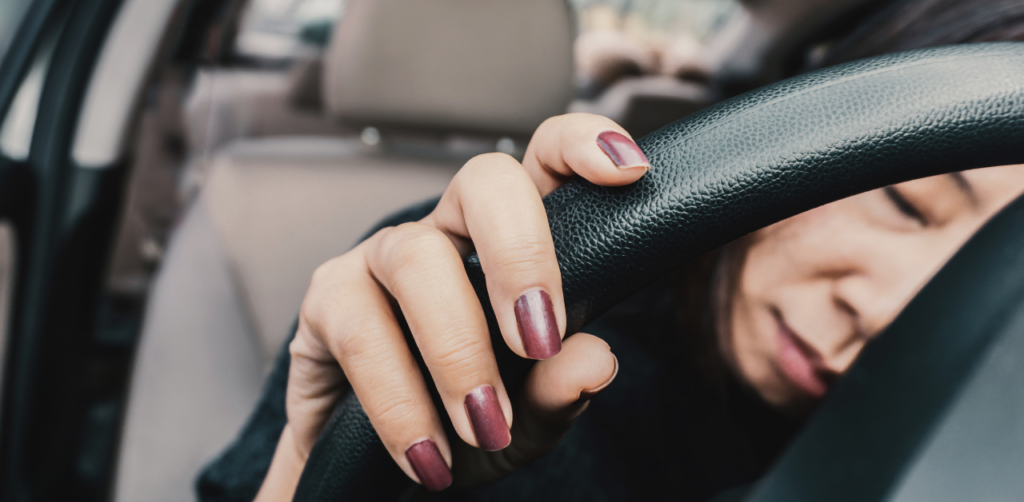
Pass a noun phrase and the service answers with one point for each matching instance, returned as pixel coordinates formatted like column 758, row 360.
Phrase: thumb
column 555, row 393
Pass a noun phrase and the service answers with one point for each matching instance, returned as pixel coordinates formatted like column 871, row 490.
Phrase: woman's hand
column 349, row 335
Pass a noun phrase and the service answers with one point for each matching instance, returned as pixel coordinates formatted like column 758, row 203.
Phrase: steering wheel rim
column 724, row 172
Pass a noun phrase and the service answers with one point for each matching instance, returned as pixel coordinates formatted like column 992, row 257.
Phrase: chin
column 797, row 406
column 775, row 391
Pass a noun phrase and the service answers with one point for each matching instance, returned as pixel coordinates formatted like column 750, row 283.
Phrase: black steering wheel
column 758, row 159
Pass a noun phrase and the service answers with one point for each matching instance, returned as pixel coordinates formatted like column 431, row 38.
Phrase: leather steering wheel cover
column 729, row 170
column 776, row 152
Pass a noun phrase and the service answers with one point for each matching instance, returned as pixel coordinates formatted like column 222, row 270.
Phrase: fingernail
column 537, row 325
column 487, row 419
column 429, row 465
column 622, row 150
column 587, row 394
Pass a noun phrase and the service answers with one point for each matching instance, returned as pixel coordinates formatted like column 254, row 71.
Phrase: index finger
column 591, row 146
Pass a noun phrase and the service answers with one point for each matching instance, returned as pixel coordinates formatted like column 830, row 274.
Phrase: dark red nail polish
column 622, row 150
column 429, row 465
column 537, row 325
column 487, row 419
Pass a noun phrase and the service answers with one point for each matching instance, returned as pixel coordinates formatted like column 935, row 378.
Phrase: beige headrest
column 478, row 66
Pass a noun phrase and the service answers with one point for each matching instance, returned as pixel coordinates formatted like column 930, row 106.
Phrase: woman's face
column 816, row 287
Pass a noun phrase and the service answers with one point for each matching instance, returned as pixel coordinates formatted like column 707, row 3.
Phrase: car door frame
column 63, row 218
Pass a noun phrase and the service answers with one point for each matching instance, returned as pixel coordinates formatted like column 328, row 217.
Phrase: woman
column 759, row 329
column 808, row 293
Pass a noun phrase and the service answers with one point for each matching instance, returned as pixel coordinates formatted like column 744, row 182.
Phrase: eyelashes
column 904, row 206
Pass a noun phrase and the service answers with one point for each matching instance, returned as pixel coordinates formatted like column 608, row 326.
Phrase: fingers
column 348, row 318
column 315, row 383
column 349, row 335
column 556, row 392
column 495, row 203
column 285, row 470
column 591, row 146
column 423, row 271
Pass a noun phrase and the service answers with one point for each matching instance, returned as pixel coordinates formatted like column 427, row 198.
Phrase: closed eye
column 904, row 206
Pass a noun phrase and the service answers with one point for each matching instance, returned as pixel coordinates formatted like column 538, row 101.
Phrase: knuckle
column 551, row 123
column 327, row 281
column 490, row 159
column 486, row 169
column 589, row 120
column 362, row 342
column 329, row 270
column 411, row 244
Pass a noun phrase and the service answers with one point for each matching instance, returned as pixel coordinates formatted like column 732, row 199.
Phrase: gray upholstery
column 453, row 65
column 283, row 206
column 191, row 391
column 228, row 104
column 236, row 272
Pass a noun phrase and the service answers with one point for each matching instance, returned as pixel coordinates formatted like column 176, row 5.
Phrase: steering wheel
column 752, row 161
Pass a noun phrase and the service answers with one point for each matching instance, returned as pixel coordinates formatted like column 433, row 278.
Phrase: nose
column 838, row 359
column 875, row 295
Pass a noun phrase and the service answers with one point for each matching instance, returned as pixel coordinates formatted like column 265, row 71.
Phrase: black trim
column 64, row 243
column 16, row 62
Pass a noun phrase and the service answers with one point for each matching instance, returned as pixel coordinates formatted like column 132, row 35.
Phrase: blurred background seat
column 273, row 208
column 229, row 104
column 645, row 78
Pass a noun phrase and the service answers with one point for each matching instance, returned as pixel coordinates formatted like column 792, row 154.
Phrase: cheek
column 777, row 257
column 796, row 250
column 781, row 258
column 751, row 352
column 751, row 344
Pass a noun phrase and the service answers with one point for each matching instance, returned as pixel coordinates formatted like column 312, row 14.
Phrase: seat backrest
column 423, row 66
column 464, row 66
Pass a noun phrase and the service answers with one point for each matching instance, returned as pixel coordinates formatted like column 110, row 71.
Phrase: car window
column 654, row 19
column 17, row 126
column 286, row 29
column 11, row 13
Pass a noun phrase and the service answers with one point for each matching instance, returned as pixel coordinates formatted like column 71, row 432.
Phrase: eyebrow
column 965, row 187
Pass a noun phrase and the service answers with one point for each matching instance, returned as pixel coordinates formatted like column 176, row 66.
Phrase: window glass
column 17, row 126
column 11, row 13
column 286, row 29
column 653, row 19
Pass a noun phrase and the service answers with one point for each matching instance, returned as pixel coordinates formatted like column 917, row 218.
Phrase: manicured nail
column 429, row 465
column 487, row 419
column 622, row 150
column 537, row 325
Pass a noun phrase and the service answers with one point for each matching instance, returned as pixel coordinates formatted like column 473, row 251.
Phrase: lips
column 800, row 363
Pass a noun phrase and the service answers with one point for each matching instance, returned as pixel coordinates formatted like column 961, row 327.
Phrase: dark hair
column 915, row 24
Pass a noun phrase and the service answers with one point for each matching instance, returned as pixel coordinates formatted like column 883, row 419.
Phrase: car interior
column 273, row 208
column 173, row 171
